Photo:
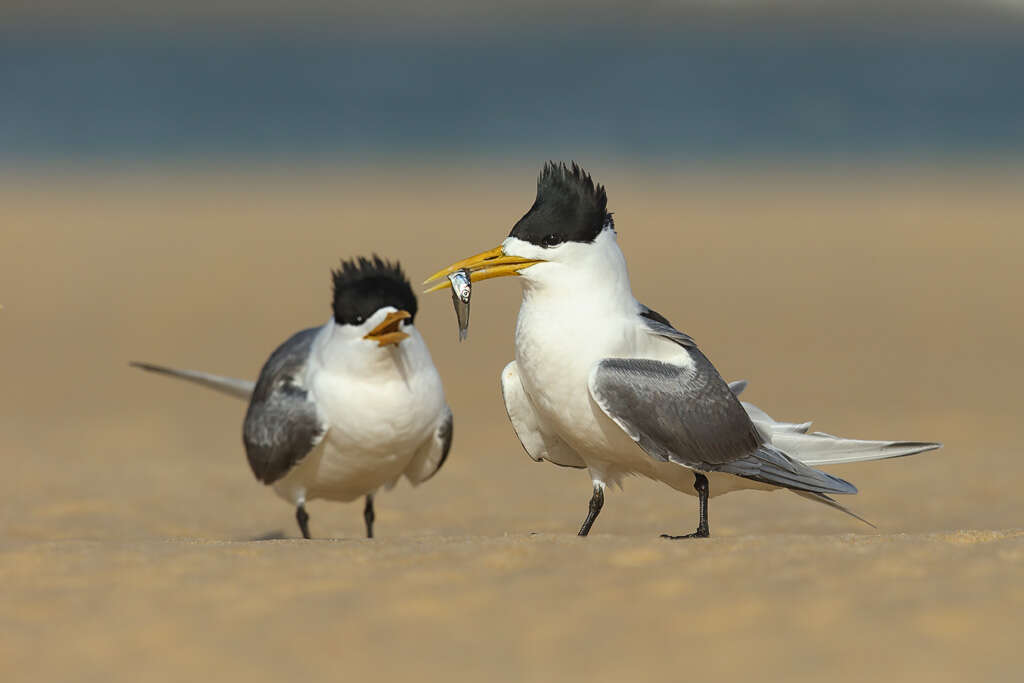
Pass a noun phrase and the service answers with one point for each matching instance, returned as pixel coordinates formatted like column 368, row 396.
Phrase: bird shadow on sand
column 275, row 535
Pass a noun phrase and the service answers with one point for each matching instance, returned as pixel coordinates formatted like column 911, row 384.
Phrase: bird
column 342, row 410
column 602, row 382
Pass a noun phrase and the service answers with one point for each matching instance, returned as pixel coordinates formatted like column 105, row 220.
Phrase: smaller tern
column 343, row 410
column 602, row 382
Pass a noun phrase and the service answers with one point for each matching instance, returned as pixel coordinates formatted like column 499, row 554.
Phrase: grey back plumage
column 282, row 425
column 688, row 415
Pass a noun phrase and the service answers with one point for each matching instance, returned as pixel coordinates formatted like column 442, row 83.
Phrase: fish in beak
column 483, row 266
column 462, row 291
column 387, row 332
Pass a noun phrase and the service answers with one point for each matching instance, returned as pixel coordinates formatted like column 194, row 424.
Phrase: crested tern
column 602, row 382
column 342, row 410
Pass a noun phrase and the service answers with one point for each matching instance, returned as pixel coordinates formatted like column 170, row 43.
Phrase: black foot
column 596, row 503
column 700, row 483
column 699, row 533
column 303, row 519
column 369, row 515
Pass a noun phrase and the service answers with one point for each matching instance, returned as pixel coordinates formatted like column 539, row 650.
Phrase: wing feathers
column 432, row 454
column 282, row 425
column 680, row 414
column 689, row 416
column 774, row 467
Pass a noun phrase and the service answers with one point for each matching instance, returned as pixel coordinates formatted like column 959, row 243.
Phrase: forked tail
column 832, row 503
column 818, row 448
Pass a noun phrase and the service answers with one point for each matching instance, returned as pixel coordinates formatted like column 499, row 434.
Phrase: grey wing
column 676, row 413
column 537, row 444
column 433, row 453
column 689, row 416
column 282, row 424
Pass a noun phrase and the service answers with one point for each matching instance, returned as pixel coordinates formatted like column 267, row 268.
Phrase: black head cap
column 569, row 207
column 363, row 286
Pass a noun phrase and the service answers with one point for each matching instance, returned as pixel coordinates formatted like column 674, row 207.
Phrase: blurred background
column 827, row 196
column 649, row 82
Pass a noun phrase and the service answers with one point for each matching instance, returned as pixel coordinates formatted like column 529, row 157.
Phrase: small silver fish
column 462, row 288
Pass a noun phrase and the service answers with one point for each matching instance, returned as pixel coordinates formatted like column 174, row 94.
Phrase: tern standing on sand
column 603, row 382
column 341, row 410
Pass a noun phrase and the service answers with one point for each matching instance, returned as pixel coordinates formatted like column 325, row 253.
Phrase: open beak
column 387, row 332
column 483, row 266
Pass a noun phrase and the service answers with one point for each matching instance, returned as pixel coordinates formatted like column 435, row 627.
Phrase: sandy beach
column 136, row 545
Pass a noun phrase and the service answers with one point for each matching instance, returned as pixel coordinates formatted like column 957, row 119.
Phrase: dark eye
column 551, row 240
column 359, row 320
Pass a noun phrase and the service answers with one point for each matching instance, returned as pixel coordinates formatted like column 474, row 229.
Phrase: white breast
column 572, row 317
column 379, row 409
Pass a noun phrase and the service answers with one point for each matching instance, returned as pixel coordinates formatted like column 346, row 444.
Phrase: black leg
column 303, row 518
column 596, row 503
column 369, row 515
column 700, row 483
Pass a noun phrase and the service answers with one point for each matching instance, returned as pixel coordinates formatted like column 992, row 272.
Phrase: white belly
column 376, row 424
column 342, row 474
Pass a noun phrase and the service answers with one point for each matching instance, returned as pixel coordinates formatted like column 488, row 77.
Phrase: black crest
column 569, row 207
column 363, row 286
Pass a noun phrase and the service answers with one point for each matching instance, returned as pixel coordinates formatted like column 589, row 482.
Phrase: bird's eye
column 359, row 320
column 551, row 240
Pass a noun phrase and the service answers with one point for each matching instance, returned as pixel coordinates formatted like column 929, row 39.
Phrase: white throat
column 344, row 351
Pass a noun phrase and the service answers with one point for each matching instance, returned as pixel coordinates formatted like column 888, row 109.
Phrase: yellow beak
column 387, row 332
column 483, row 266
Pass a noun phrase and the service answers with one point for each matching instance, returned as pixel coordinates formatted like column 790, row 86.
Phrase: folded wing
column 687, row 414
column 282, row 425
column 433, row 453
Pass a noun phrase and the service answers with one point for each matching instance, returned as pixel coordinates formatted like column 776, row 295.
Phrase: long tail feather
column 239, row 388
column 818, row 448
column 832, row 503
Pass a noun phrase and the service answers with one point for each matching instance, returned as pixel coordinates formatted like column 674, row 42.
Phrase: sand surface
column 135, row 544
